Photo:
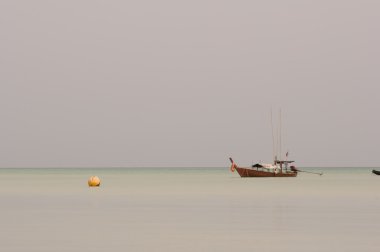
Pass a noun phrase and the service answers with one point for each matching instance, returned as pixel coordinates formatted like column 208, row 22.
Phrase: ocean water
column 188, row 209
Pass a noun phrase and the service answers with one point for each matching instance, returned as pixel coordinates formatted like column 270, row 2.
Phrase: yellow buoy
column 94, row 181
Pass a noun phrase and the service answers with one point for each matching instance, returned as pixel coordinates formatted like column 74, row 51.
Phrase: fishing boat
column 280, row 168
column 376, row 172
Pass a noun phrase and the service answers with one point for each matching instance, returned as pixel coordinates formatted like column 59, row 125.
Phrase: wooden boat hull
column 376, row 172
column 248, row 172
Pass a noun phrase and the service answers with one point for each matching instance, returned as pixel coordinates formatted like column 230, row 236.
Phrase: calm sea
column 188, row 209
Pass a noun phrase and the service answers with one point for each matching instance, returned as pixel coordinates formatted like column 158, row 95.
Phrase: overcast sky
column 188, row 83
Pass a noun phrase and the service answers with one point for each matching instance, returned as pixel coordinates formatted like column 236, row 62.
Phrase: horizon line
column 122, row 167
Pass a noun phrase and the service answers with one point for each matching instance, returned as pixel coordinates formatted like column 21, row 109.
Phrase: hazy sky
column 188, row 83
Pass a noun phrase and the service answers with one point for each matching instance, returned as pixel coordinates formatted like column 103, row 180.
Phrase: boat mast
column 280, row 142
column 273, row 146
column 277, row 140
column 280, row 136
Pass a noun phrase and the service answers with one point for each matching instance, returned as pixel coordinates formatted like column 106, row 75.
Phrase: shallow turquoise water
column 188, row 209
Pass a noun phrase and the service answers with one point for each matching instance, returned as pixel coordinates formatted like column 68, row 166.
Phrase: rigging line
column 271, row 123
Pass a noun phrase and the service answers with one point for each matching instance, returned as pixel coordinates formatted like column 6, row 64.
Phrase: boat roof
column 283, row 161
column 257, row 165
